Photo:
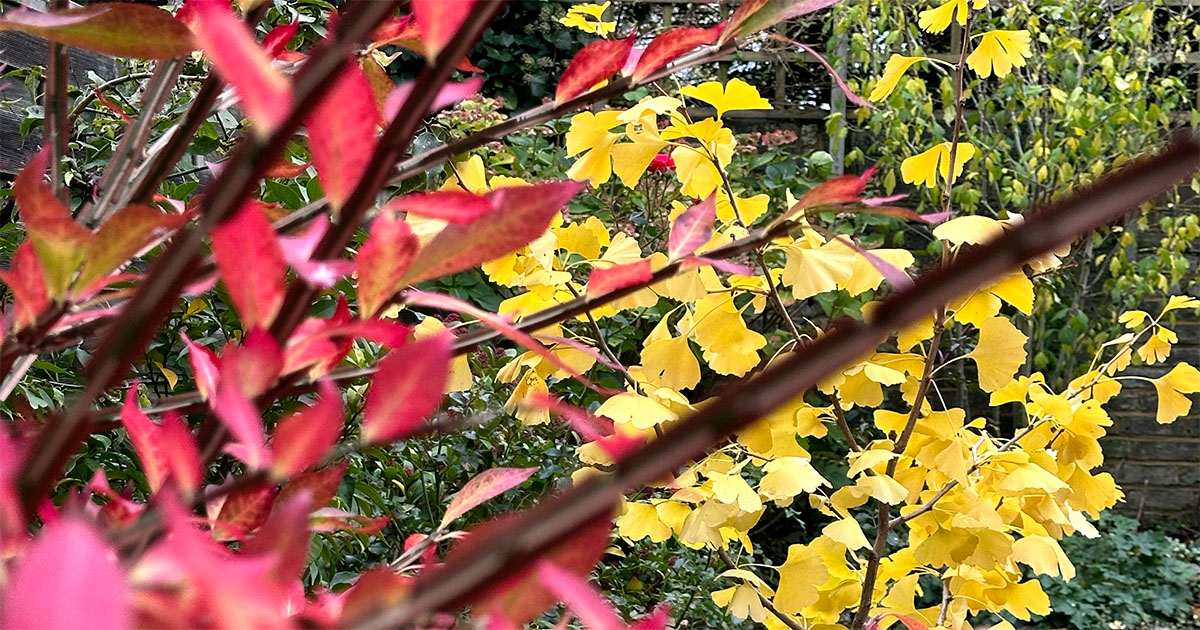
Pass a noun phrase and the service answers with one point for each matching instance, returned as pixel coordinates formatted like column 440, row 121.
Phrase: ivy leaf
column 341, row 133
column 693, row 228
column 304, row 437
column 264, row 91
column 519, row 215
column 121, row 29
column 251, row 263
column 383, row 260
column 406, row 389
column 670, row 45
column 484, row 486
column 68, row 578
column 591, row 65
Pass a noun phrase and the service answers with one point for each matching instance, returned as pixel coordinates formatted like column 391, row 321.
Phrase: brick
column 1162, row 499
column 1132, row 475
column 1116, row 448
column 1143, row 423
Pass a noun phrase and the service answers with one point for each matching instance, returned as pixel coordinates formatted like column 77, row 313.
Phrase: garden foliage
column 329, row 328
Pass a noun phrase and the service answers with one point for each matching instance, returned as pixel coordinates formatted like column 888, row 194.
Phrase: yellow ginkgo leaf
column 1000, row 52
column 635, row 410
column 734, row 95
column 589, row 134
column 810, row 271
column 848, row 532
column 800, row 577
column 787, row 477
column 999, row 354
column 1133, row 319
column 1158, row 347
column 896, row 66
column 670, row 363
column 1181, row 301
column 641, row 520
column 972, row 229
column 925, row 167
column 1172, row 403
column 937, row 19
column 589, row 18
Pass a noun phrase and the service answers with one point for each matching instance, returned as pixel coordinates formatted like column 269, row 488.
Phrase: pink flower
column 661, row 162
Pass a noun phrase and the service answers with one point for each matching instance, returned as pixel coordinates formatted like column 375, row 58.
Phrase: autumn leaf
column 251, row 263
column 123, row 236
column 406, row 389
column 1172, row 388
column 482, row 487
column 896, row 66
column 121, row 29
column 591, row 65
column 757, row 15
column 341, row 133
column 734, row 95
column 672, row 44
column 606, row 279
column 61, row 243
column 693, row 228
column 925, row 167
column 440, row 20
column 999, row 354
column 382, row 261
column 166, row 451
column 303, row 438
column 999, row 52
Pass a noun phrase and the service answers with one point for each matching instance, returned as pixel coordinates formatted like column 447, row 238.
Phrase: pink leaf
column 484, row 486
column 264, row 91
column 113, row 28
column 451, row 93
column 297, row 251
column 251, row 262
column 167, row 451
column 720, row 264
column 591, row 65
column 837, row 78
column 581, row 598
column 453, row 206
column 440, row 20
column 842, row 189
column 69, row 578
column 303, row 438
column 606, row 279
column 333, row 519
column 240, row 416
column 757, row 15
column 253, row 365
column 406, row 389
column 693, row 228
column 895, row 276
column 382, row 262
column 657, row 620
column 341, row 133
column 61, row 243
column 320, row 485
column 445, row 302
column 277, row 39
column 591, row 428
column 283, row 539
column 205, row 367
column 671, row 45
column 520, row 214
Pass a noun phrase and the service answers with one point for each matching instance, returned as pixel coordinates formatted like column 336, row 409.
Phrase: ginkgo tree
column 240, row 473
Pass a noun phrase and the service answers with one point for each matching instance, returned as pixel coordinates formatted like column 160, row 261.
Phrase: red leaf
column 671, row 45
column 484, row 486
column 284, row 168
column 592, row 64
column 446, row 302
column 303, row 438
column 113, row 28
column 521, row 597
column 277, row 39
column 440, row 20
column 332, row 520
column 61, row 243
column 69, row 578
column 757, row 15
column 341, row 133
column 375, row 588
column 406, row 389
column 693, row 228
column 265, row 92
column 581, row 598
column 283, row 539
column 320, row 485
column 240, row 416
column 205, row 367
column 112, row 106
column 237, row 514
column 251, row 262
column 27, row 284
column 382, row 262
column 605, row 279
column 842, row 189
column 253, row 365
column 520, row 214
column 124, row 236
column 167, row 451
column 453, row 206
